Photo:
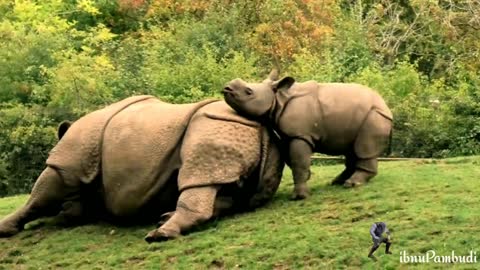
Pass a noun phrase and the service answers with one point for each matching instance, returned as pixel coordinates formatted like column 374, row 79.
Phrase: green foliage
column 430, row 118
column 192, row 74
column 427, row 206
column 29, row 135
column 62, row 59
column 81, row 81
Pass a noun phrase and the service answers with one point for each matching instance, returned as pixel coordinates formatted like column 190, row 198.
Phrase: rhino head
column 255, row 100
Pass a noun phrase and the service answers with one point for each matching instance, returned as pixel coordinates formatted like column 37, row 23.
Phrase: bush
column 27, row 135
column 186, row 74
column 431, row 119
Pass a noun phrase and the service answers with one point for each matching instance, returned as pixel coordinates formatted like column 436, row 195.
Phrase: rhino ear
column 283, row 84
column 62, row 128
column 273, row 76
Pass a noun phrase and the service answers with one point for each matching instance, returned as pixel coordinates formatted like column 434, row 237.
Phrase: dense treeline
column 61, row 59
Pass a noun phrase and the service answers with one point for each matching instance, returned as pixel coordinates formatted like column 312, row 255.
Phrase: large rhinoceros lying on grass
column 142, row 157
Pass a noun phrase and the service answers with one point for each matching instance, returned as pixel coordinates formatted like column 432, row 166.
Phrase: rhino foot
column 351, row 184
column 359, row 178
column 160, row 235
column 354, row 182
column 300, row 192
column 341, row 178
column 338, row 181
column 7, row 229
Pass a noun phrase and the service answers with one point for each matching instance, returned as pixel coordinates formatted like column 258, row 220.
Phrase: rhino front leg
column 194, row 206
column 222, row 205
column 300, row 153
column 365, row 169
column 46, row 199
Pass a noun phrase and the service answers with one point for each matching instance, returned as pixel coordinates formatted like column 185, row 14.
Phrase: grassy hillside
column 426, row 205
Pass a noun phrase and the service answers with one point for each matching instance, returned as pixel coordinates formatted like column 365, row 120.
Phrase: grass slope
column 426, row 205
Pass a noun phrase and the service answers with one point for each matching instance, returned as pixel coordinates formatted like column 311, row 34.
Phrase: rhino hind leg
column 195, row 205
column 72, row 210
column 365, row 169
column 46, row 198
column 76, row 212
column 372, row 139
column 350, row 161
column 82, row 206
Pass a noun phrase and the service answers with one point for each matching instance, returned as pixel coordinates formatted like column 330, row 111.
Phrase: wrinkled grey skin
column 141, row 158
column 329, row 118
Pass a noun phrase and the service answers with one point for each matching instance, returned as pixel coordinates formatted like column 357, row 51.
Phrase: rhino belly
column 338, row 129
column 335, row 139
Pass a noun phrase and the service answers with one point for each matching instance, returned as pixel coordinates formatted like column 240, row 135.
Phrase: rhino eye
column 249, row 91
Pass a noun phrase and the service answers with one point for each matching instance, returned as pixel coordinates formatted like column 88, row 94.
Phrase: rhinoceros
column 141, row 157
column 330, row 118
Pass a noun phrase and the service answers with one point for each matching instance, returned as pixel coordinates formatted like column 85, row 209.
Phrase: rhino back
column 344, row 107
column 141, row 153
column 328, row 115
column 77, row 155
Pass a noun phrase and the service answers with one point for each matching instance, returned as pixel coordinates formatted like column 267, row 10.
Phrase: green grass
column 427, row 206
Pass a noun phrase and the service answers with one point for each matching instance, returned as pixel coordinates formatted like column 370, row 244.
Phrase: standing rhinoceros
column 142, row 157
column 330, row 118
